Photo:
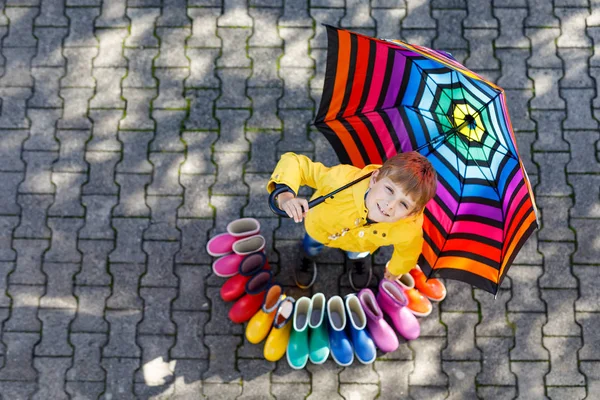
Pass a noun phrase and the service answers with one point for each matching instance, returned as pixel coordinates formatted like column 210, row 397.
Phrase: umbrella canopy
column 382, row 97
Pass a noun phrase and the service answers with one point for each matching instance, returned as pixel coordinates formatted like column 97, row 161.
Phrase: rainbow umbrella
column 381, row 97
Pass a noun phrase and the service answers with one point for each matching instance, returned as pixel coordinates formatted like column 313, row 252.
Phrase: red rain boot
column 250, row 266
column 250, row 303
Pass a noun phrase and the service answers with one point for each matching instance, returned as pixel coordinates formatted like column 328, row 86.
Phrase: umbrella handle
column 279, row 211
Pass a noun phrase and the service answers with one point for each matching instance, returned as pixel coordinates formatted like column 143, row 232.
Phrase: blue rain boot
column 318, row 342
column 341, row 347
column 364, row 347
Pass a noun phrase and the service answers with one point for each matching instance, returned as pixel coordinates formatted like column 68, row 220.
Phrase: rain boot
column 222, row 244
column 278, row 338
column 417, row 303
column 250, row 303
column 382, row 333
column 318, row 342
column 364, row 347
column 297, row 350
column 341, row 347
column 228, row 265
column 393, row 302
column 260, row 324
column 431, row 288
column 234, row 287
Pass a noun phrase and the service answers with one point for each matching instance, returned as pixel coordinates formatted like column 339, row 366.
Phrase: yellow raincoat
column 341, row 222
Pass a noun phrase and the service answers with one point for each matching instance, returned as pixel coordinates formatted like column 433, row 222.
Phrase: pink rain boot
column 228, row 265
column 222, row 244
column 393, row 302
column 382, row 333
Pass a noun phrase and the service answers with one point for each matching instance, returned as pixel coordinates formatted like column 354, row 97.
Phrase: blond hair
column 414, row 174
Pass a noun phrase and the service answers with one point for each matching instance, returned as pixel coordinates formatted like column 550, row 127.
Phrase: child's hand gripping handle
column 279, row 211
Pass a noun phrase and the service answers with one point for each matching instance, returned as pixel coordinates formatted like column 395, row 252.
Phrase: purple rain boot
column 393, row 302
column 382, row 333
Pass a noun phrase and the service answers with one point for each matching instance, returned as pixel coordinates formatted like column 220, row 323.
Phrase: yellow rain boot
column 278, row 339
column 260, row 324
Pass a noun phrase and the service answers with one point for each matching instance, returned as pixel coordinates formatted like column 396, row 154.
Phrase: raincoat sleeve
column 406, row 254
column 295, row 170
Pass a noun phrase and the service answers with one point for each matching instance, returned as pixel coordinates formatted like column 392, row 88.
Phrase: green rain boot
column 318, row 343
column 297, row 350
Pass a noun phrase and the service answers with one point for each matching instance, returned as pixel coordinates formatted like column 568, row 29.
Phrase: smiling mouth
column 381, row 211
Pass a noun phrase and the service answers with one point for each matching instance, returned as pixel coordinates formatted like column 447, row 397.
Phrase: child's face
column 386, row 201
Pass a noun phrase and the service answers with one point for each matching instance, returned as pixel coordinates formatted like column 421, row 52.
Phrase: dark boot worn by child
column 360, row 272
column 305, row 273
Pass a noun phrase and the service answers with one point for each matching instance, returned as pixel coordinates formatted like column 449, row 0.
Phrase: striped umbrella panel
column 384, row 97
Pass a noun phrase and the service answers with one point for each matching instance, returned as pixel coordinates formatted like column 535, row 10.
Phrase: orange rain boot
column 431, row 288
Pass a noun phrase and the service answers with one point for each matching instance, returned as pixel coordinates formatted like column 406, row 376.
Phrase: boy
column 385, row 209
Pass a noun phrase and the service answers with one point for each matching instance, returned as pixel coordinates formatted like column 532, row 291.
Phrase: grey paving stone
column 198, row 160
column 165, row 174
column 138, row 109
column 90, row 309
column 230, row 175
column 393, row 377
column 549, row 133
column 102, row 166
column 18, row 64
column 588, row 290
column 5, row 269
column 295, row 93
column 63, row 247
column 121, row 342
column 37, row 175
column 264, row 101
column 325, row 380
column 219, row 322
column 295, row 14
column 171, row 82
column 202, row 64
column 575, row 68
column 553, row 181
column 587, row 251
column 8, row 197
column 528, row 336
column 84, row 390
column 258, row 199
column 295, row 121
column 157, row 314
column 156, row 369
column 265, row 27
column 75, row 108
column 578, row 117
column 292, row 391
column 125, row 278
column 573, row 392
column 461, row 376
column 34, row 209
column 129, row 240
column 369, row 391
column 497, row 392
column 556, row 256
column 18, row 390
column 220, row 349
column 492, row 311
column 193, row 250
column 418, row 15
column 460, row 325
column 509, row 18
column 191, row 288
column 49, row 39
column 119, row 378
column 7, row 224
column 72, row 151
column 173, row 14
column 51, row 379
column 108, row 88
column 554, row 218
column 231, row 137
column 202, row 115
column 131, row 198
column 387, row 21
column 428, row 366
column 235, row 14
column 196, row 202
column 13, row 106
column 543, row 47
column 67, row 199
column 561, row 312
column 20, row 33
column 51, row 13
column 164, row 214
column 530, row 378
column 563, row 361
column 54, row 334
column 481, row 55
column 142, row 23
column 25, row 303
column 188, row 384
column 357, row 15
column 227, row 208
column 140, row 68
column 525, row 293
column 135, row 148
column 86, row 360
column 204, row 27
column 79, row 67
column 190, row 343
column 172, row 47
column 358, row 374
column 233, row 81
column 588, row 322
column 97, row 221
column 517, row 104
column 28, row 269
column 572, row 22
column 296, row 50
column 582, row 143
column 59, row 287
column 227, row 390
column 448, row 37
column 495, row 364
column 590, row 369
column 255, row 377
column 168, row 125
column 110, row 53
column 18, row 360
column 329, row 16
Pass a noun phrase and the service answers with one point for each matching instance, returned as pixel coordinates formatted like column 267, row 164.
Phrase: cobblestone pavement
column 133, row 131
